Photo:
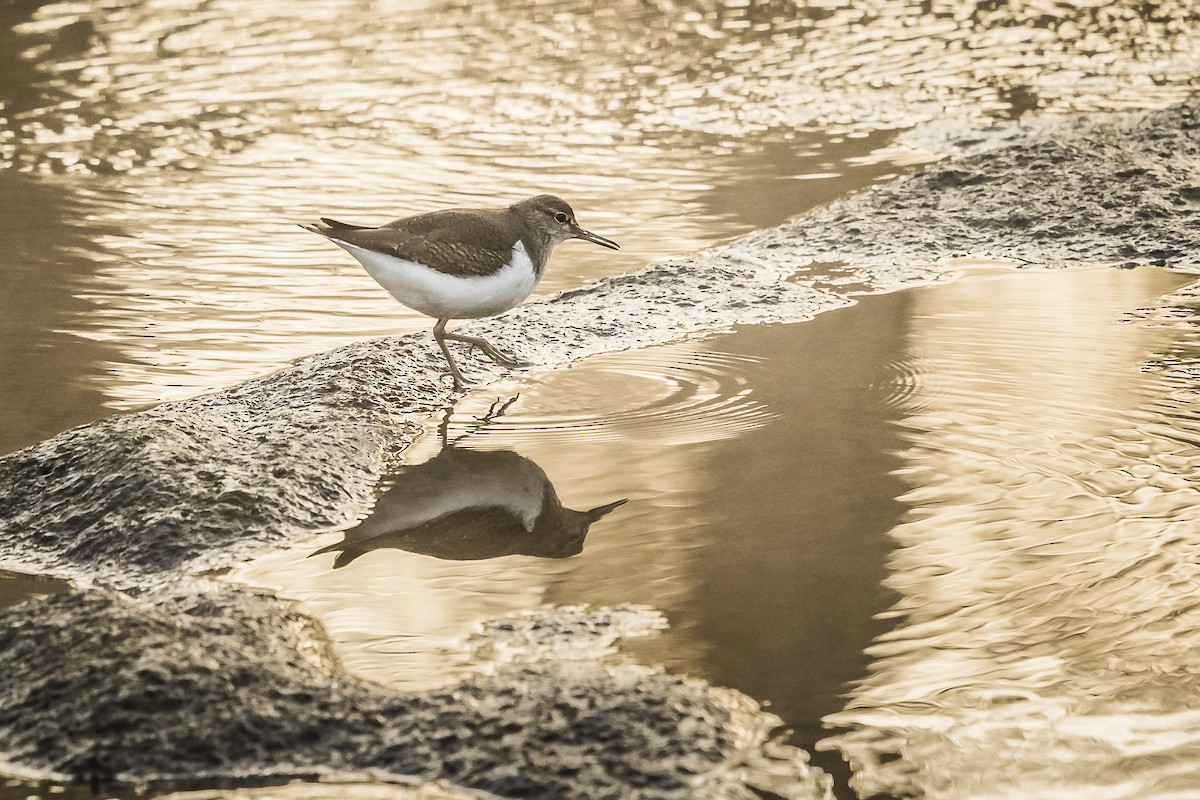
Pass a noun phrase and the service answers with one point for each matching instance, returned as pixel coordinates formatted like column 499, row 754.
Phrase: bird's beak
column 594, row 238
column 599, row 511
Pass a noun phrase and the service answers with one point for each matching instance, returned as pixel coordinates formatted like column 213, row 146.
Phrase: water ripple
column 677, row 393
column 1049, row 564
column 134, row 88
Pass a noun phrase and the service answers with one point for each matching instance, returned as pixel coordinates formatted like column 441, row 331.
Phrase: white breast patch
column 443, row 296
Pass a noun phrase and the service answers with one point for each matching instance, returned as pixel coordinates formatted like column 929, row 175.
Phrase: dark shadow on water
column 791, row 616
column 773, row 579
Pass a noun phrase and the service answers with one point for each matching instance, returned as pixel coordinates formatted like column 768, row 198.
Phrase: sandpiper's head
column 559, row 532
column 552, row 219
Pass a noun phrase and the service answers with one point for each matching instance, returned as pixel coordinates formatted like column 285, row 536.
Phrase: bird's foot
column 511, row 362
column 486, row 347
column 460, row 383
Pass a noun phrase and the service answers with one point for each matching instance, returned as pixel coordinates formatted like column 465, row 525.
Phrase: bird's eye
column 560, row 217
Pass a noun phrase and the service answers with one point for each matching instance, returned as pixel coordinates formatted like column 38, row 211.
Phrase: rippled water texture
column 158, row 155
column 617, row 427
column 1047, row 566
column 971, row 507
column 994, row 479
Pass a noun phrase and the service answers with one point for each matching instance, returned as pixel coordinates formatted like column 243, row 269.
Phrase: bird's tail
column 343, row 226
column 345, row 554
column 328, row 226
column 327, row 549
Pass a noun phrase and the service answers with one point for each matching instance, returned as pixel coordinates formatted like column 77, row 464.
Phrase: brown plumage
column 462, row 263
column 455, row 241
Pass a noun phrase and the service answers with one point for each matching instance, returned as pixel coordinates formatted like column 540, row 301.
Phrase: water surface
column 945, row 532
column 157, row 158
column 1047, row 566
column 797, row 492
column 922, row 529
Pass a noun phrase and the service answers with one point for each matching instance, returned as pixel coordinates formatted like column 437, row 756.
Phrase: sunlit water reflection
column 1047, row 567
column 1017, row 435
column 626, row 422
column 1041, row 433
column 151, row 252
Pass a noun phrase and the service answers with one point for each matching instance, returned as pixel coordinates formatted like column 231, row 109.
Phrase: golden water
column 971, row 507
column 996, row 477
column 157, row 157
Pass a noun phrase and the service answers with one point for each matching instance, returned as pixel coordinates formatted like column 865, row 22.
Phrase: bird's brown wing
column 447, row 241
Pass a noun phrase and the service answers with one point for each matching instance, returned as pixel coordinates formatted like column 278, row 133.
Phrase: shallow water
column 1047, row 565
column 939, row 471
column 942, row 530
column 158, row 158
column 15, row 587
column 991, row 481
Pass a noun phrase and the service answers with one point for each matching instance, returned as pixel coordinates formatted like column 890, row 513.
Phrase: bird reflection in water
column 467, row 505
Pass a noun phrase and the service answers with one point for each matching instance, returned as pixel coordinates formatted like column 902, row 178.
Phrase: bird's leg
column 444, row 428
column 494, row 412
column 488, row 350
column 497, row 409
column 439, row 333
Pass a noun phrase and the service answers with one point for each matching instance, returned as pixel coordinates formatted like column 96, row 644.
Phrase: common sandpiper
column 462, row 263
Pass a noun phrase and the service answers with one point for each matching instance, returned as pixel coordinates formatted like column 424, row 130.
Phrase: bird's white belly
column 443, row 296
column 519, row 491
